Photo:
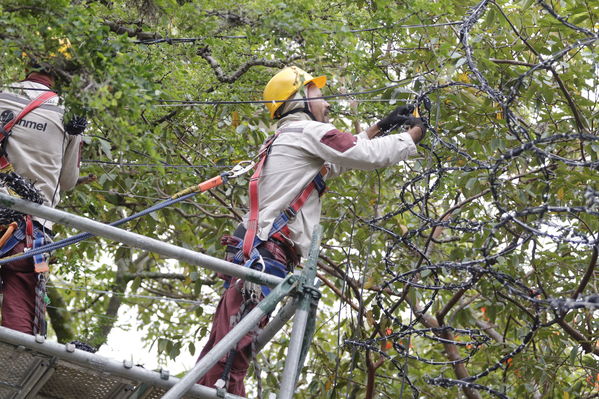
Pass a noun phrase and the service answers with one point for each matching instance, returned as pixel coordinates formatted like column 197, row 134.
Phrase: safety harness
column 25, row 229
column 5, row 131
column 247, row 253
column 247, row 248
column 280, row 229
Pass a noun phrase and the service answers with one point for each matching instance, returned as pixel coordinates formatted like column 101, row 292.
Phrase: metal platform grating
column 33, row 368
column 15, row 363
column 73, row 382
column 6, row 392
column 155, row 393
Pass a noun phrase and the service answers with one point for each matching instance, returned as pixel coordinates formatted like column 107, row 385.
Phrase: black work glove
column 76, row 125
column 396, row 118
column 418, row 122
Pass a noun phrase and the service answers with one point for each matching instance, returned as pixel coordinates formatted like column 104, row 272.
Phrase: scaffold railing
column 33, row 367
column 300, row 285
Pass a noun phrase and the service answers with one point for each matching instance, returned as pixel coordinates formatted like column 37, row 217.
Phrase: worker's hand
column 396, row 118
column 76, row 125
column 417, row 129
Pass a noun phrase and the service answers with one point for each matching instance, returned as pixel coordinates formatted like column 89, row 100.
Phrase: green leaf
column 573, row 354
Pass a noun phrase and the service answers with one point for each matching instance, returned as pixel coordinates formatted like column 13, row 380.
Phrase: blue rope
column 82, row 236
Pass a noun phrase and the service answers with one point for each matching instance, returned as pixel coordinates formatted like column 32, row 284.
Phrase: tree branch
column 370, row 376
column 119, row 286
column 165, row 118
column 450, row 304
column 237, row 215
column 511, row 62
column 60, row 316
column 586, row 343
column 338, row 292
column 579, row 120
column 587, row 276
column 119, row 29
column 86, row 179
column 489, row 329
column 451, row 350
column 206, row 54
column 337, row 271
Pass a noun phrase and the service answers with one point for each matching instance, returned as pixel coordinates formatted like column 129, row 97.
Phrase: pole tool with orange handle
column 239, row 169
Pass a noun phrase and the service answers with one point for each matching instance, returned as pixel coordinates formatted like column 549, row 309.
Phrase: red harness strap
column 5, row 130
column 254, row 194
column 28, row 232
column 292, row 209
column 299, row 201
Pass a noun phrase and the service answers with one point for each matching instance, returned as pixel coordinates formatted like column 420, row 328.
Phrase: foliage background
column 486, row 260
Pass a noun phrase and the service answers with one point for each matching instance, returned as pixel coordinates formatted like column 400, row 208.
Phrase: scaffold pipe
column 138, row 241
column 276, row 324
column 229, row 341
column 299, row 342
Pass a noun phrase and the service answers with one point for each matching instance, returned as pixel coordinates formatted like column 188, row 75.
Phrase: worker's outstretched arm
column 345, row 151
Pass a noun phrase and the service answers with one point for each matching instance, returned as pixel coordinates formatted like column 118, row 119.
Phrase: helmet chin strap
column 297, row 110
column 306, row 110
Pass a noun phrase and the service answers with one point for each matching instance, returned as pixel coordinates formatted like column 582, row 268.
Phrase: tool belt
column 272, row 248
column 33, row 236
column 29, row 231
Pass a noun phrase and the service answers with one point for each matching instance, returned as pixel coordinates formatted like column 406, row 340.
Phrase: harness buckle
column 260, row 261
column 252, row 291
column 290, row 213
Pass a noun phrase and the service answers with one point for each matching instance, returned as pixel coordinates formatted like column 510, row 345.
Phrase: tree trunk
column 59, row 316
column 106, row 323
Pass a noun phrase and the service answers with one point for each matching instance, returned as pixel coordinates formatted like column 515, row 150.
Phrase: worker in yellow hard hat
column 285, row 198
column 54, row 63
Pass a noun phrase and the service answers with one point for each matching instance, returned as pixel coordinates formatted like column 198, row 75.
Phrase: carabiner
column 241, row 168
column 259, row 261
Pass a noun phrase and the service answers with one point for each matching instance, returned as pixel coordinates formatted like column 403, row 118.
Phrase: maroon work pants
column 18, row 302
column 226, row 312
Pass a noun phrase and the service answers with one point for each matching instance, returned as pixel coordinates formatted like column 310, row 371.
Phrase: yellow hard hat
column 65, row 48
column 284, row 85
column 63, row 56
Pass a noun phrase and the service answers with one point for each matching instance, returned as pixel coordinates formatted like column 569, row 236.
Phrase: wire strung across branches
column 177, row 40
column 509, row 228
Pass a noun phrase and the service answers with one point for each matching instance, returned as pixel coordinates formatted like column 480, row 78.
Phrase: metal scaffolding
column 32, row 367
column 132, row 382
